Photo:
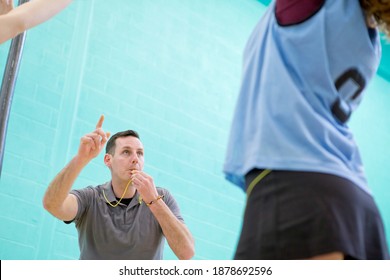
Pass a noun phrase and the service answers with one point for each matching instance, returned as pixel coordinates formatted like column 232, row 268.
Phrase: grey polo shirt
column 122, row 232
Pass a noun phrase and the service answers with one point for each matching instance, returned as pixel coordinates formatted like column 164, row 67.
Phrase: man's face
column 128, row 156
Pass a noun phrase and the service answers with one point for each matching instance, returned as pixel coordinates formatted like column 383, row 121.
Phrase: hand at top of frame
column 6, row 6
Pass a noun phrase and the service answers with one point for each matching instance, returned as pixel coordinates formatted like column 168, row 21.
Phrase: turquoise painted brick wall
column 168, row 69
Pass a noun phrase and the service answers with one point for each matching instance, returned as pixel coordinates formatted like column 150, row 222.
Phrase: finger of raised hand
column 102, row 137
column 101, row 134
column 96, row 139
column 88, row 140
column 105, row 139
column 100, row 122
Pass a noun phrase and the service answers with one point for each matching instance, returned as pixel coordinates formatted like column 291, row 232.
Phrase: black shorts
column 298, row 215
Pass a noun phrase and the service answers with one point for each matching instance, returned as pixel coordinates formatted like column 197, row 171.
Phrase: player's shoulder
column 290, row 12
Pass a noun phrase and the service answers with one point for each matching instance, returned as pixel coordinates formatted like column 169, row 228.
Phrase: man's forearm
column 59, row 188
column 177, row 234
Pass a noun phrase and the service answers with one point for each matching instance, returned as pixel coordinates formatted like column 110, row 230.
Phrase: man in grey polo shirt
column 125, row 218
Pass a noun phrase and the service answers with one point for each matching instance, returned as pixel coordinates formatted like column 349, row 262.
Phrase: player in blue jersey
column 305, row 69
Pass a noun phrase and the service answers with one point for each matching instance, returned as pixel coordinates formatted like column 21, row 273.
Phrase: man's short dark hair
column 110, row 147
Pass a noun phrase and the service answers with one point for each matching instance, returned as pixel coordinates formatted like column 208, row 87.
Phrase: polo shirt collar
column 108, row 191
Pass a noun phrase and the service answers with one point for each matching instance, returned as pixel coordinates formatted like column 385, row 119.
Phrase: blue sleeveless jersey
column 301, row 82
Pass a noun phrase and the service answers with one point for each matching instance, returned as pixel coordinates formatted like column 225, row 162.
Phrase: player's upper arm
column 289, row 12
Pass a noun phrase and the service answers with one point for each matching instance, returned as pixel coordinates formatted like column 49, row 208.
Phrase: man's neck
column 119, row 187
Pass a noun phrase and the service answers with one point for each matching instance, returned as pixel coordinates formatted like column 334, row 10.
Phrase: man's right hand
column 92, row 143
column 57, row 199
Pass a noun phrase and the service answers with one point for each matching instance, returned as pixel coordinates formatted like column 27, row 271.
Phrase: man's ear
column 107, row 160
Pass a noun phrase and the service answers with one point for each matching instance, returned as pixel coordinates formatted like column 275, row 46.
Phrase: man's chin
column 126, row 177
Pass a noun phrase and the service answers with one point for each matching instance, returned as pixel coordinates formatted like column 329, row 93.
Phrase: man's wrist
column 154, row 201
column 80, row 161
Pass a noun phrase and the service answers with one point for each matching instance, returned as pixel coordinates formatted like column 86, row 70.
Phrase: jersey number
column 349, row 85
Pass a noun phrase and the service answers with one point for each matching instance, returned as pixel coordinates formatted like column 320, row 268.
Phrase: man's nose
column 134, row 159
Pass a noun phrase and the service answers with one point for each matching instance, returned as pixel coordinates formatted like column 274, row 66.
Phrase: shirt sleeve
column 83, row 197
column 170, row 201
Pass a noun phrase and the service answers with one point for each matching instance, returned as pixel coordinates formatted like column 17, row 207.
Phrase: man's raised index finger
column 100, row 122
